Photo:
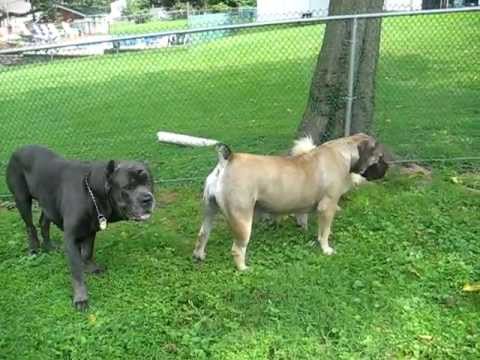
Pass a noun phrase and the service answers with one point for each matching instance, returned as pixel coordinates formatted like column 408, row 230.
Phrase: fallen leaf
column 414, row 271
column 425, row 337
column 471, row 287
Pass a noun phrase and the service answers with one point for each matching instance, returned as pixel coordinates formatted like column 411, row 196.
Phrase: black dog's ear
column 142, row 173
column 110, row 169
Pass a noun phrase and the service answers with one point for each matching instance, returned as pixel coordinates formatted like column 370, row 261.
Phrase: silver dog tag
column 103, row 222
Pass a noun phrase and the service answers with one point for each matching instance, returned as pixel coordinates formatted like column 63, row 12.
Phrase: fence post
column 351, row 77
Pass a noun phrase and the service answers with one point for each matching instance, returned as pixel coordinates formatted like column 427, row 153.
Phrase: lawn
column 405, row 246
column 126, row 27
column 248, row 90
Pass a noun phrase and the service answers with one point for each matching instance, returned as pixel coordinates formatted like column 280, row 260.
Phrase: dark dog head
column 370, row 156
column 130, row 186
column 376, row 171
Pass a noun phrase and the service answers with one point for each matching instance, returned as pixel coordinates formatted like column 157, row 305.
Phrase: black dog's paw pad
column 81, row 305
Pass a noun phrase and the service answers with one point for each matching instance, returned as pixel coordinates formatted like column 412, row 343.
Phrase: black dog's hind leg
column 87, row 247
column 23, row 201
column 44, row 223
column 25, row 209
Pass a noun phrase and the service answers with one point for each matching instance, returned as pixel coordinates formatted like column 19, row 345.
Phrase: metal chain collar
column 102, row 220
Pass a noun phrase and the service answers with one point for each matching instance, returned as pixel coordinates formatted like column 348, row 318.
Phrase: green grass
column 248, row 90
column 428, row 86
column 404, row 247
column 129, row 27
column 112, row 106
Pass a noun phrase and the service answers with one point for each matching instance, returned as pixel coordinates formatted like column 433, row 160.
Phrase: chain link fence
column 102, row 97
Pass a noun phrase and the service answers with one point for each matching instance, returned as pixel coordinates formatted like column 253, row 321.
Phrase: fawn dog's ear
column 365, row 149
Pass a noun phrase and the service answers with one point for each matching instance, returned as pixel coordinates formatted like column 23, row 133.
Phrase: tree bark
column 324, row 116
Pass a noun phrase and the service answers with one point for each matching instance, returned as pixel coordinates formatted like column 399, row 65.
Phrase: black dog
column 80, row 198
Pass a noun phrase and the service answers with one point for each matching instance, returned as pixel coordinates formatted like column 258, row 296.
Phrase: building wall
column 116, row 8
column 402, row 5
column 268, row 10
column 290, row 9
column 15, row 6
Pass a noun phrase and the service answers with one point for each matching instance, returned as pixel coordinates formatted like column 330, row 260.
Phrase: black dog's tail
column 224, row 152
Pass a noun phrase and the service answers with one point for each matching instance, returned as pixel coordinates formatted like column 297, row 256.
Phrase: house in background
column 87, row 19
column 70, row 13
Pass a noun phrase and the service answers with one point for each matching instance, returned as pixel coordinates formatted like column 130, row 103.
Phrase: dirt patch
column 415, row 170
column 165, row 198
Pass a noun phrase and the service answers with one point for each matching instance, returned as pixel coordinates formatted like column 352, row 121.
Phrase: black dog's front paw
column 93, row 268
column 81, row 305
column 33, row 252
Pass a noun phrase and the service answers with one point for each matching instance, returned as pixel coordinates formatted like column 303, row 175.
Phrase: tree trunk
column 324, row 116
